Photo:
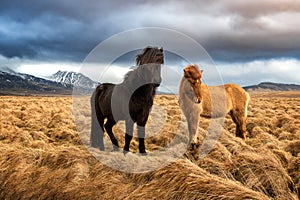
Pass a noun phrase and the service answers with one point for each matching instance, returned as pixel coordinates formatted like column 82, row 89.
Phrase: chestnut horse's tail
column 97, row 120
column 247, row 103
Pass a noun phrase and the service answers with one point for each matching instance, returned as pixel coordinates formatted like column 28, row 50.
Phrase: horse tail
column 97, row 120
column 247, row 103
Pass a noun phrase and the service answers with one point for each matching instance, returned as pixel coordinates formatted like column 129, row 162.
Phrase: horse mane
column 147, row 54
column 131, row 74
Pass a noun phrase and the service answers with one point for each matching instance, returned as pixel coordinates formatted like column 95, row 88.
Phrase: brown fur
column 197, row 99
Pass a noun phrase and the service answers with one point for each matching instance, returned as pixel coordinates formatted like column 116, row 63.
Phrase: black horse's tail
column 97, row 130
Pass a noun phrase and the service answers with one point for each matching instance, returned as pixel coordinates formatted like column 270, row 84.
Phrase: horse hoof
column 143, row 152
column 116, row 148
column 101, row 148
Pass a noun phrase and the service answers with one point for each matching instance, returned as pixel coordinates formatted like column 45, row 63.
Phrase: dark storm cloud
column 237, row 30
column 63, row 30
column 230, row 30
column 250, row 29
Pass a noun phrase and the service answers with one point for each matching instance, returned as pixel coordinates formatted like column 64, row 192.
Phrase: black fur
column 110, row 101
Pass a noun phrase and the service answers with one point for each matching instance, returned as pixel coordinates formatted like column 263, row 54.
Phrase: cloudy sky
column 248, row 41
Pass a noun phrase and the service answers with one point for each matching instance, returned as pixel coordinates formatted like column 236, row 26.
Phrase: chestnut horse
column 130, row 100
column 197, row 99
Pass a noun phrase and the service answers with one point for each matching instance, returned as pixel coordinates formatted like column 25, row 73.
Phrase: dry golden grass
column 43, row 157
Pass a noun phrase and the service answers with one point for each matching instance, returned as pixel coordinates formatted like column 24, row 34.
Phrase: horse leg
column 233, row 115
column 141, row 136
column 108, row 127
column 128, row 135
column 97, row 130
column 193, row 122
column 240, row 123
column 243, row 129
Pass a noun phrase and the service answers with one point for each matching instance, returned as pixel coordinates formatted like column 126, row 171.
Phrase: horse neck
column 147, row 90
column 132, row 78
column 135, row 84
column 204, row 89
column 185, row 83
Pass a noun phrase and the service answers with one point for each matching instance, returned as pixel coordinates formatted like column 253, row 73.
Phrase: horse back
column 104, row 86
column 219, row 100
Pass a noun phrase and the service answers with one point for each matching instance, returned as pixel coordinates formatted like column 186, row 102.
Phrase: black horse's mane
column 131, row 74
column 147, row 54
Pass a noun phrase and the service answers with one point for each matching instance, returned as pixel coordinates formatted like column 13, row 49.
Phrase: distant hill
column 269, row 86
column 63, row 83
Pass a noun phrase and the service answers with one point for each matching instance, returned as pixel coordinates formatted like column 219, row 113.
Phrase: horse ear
column 147, row 49
column 201, row 70
column 161, row 49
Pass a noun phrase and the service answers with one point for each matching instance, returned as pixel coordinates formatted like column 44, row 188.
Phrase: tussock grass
column 43, row 157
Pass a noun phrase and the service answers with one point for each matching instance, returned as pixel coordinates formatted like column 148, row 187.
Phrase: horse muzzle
column 156, row 84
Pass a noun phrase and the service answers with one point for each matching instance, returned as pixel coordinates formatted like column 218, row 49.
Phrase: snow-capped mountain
column 12, row 82
column 62, row 82
column 73, row 78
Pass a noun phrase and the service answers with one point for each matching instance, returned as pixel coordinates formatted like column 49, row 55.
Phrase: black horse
column 130, row 100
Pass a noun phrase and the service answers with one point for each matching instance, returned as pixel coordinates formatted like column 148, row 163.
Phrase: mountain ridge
column 63, row 83
column 74, row 78
column 13, row 83
column 271, row 86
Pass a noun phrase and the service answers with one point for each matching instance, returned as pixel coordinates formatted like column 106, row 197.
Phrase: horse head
column 149, row 62
column 194, row 75
column 150, row 74
column 150, row 55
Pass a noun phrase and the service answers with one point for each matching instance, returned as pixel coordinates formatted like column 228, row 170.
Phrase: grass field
column 43, row 157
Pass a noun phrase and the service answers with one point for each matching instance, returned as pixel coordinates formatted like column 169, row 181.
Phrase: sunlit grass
column 43, row 156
